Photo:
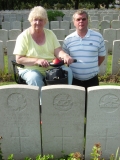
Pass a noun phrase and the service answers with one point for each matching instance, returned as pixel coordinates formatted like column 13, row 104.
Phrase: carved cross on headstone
column 63, row 137
column 106, row 138
column 19, row 136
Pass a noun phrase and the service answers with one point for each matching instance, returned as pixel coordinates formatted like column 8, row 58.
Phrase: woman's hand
column 42, row 63
column 27, row 61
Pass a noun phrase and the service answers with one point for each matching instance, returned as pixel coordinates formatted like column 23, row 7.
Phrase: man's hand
column 67, row 59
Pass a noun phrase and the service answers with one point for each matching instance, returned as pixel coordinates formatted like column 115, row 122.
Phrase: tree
column 20, row 4
column 76, row 4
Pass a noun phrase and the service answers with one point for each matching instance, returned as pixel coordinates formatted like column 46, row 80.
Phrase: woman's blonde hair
column 38, row 12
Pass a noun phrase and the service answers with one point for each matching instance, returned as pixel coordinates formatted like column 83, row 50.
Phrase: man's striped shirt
column 86, row 50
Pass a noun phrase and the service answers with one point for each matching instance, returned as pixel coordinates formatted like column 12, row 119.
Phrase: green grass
column 6, row 62
column 109, row 62
column 5, row 81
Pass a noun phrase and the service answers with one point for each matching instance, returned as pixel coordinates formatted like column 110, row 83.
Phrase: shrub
column 53, row 14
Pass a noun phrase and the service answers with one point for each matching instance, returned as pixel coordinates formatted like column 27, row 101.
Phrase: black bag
column 56, row 76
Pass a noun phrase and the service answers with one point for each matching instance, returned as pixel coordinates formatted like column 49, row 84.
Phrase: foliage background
column 53, row 4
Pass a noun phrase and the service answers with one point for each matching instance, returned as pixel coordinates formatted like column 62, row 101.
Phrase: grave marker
column 103, row 120
column 20, row 121
column 63, row 108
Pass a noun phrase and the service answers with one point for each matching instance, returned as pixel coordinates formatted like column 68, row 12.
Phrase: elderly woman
column 37, row 46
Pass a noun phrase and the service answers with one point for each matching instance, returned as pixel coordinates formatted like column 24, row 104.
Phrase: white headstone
column 94, row 18
column 20, row 121
column 60, row 33
column 103, row 120
column 13, row 34
column 58, row 18
column 110, row 36
column 67, row 18
column 19, row 17
column 94, row 24
column 117, row 34
column 25, row 24
column 63, row 108
column 10, row 49
column 115, row 24
column 65, row 25
column 6, row 17
column 6, row 25
column 95, row 29
column 0, row 20
column 4, row 36
column 115, row 16
column 107, row 18
column 72, row 25
column 47, row 25
column 103, row 66
column 61, row 42
column 54, row 25
column 72, row 30
column 98, row 15
column 25, row 17
column 16, row 25
column 102, row 15
column 1, row 57
column 116, row 57
column 104, row 25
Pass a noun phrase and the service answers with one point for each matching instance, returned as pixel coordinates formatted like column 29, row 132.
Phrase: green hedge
column 53, row 14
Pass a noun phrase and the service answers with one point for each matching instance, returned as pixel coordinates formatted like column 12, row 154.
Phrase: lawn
column 103, row 81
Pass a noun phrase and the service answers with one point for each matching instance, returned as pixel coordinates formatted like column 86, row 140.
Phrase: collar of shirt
column 87, row 34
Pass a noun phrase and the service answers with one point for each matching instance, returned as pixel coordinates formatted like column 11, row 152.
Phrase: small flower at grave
column 112, row 157
column 75, row 156
column 98, row 145
column 96, row 152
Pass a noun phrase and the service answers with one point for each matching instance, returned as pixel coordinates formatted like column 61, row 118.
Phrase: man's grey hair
column 80, row 12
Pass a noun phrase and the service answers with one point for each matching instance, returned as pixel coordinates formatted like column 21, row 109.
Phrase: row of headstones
column 94, row 11
column 58, row 126
column 109, row 34
column 101, row 25
column 64, row 28
column 105, row 17
column 99, row 17
column 12, row 34
column 6, row 35
column 23, row 15
column 99, row 13
column 15, row 25
column 50, row 25
column 13, row 17
column 115, row 69
column 115, row 24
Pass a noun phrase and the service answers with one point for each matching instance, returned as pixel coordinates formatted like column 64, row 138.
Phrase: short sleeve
column 21, row 46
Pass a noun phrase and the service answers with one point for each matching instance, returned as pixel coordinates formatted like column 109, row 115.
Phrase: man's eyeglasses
column 81, row 19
